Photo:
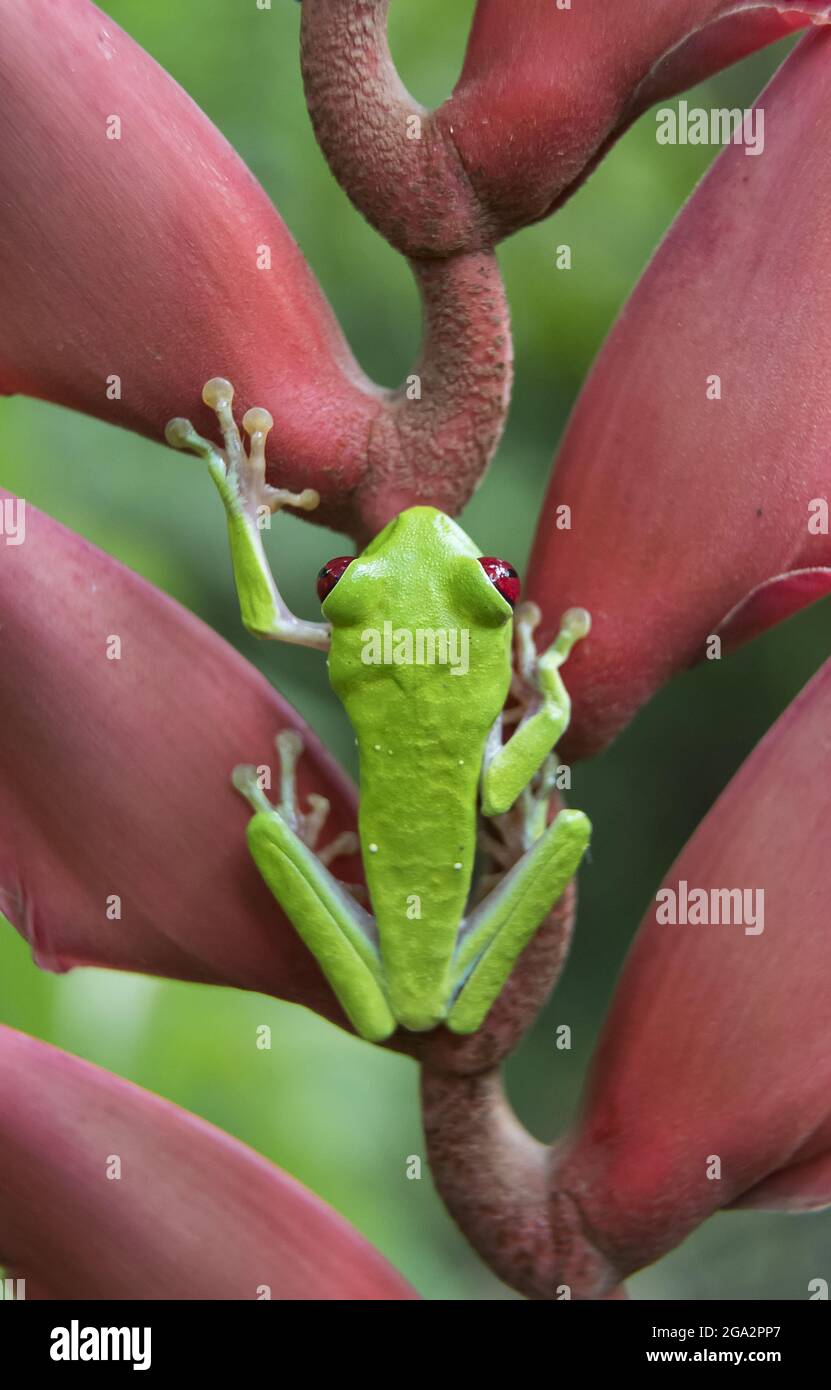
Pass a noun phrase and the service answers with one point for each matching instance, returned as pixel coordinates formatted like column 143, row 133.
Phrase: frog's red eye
column 502, row 576
column 330, row 574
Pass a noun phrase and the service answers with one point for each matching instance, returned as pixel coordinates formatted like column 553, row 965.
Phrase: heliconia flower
column 110, row 1192
column 545, row 90
column 711, row 1085
column 694, row 474
column 122, row 718
column 140, row 258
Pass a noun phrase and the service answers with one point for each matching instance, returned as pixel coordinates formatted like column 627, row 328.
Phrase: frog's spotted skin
column 420, row 643
column 421, row 734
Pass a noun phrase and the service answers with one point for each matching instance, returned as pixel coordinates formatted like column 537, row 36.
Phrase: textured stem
column 491, row 1175
column 431, row 440
column 499, row 1185
column 396, row 161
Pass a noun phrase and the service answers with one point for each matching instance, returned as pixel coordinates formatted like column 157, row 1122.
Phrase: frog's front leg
column 522, row 771
column 509, row 767
column 249, row 502
column 336, row 929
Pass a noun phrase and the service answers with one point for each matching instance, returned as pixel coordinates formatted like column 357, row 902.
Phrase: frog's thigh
column 329, row 921
column 503, row 924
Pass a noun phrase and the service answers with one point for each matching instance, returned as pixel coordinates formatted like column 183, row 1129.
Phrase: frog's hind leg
column 336, row 929
column 499, row 928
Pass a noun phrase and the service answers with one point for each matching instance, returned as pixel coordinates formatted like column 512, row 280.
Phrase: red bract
column 143, row 1200
column 692, row 516
column 716, row 1045
column 711, row 1081
column 127, row 789
column 137, row 267
column 137, row 256
column 544, row 92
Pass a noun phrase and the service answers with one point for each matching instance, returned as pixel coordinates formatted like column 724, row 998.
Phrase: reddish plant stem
column 491, row 1175
column 396, row 160
column 432, row 439
column 500, row 1186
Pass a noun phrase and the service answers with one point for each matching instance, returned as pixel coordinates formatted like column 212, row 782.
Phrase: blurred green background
column 339, row 1114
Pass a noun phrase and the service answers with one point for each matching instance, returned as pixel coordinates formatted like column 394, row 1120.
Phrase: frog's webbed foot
column 504, row 839
column 238, row 473
column 249, row 502
column 307, row 825
column 537, row 681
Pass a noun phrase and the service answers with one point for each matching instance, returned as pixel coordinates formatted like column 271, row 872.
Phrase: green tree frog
column 419, row 631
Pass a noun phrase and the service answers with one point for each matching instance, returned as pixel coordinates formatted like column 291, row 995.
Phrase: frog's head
column 422, row 567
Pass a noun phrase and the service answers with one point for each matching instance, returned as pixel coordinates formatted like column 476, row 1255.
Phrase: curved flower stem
column 500, row 1186
column 433, row 438
column 396, row 160
column 492, row 1176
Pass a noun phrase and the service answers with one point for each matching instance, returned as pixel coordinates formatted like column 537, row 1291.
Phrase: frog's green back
column 418, row 594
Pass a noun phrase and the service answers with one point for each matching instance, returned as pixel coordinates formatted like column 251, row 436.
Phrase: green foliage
column 338, row 1113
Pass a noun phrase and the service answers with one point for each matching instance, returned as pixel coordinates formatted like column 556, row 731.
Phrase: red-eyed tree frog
column 419, row 632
